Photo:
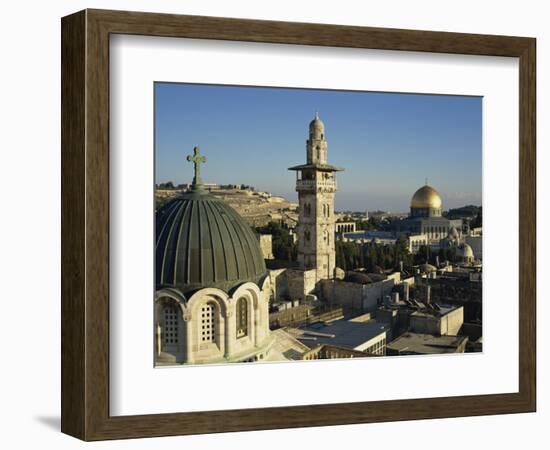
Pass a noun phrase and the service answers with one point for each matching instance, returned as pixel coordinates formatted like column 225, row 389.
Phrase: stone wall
column 327, row 351
column 452, row 322
column 446, row 325
column 303, row 315
column 358, row 298
column 300, row 283
column 266, row 245
column 460, row 292
column 279, row 285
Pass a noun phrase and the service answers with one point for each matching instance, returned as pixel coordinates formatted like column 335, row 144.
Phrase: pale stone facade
column 316, row 186
column 446, row 324
column 345, row 227
column 416, row 241
column 301, row 283
column 266, row 245
column 359, row 298
column 212, row 326
column 279, row 285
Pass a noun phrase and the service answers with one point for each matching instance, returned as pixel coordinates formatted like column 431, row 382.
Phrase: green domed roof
column 203, row 242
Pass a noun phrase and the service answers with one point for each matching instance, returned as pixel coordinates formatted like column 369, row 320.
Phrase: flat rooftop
column 420, row 309
column 424, row 344
column 340, row 333
column 286, row 347
column 443, row 310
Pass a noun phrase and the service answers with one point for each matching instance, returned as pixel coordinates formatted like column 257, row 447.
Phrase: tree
column 348, row 255
column 167, row 185
column 478, row 220
column 422, row 256
column 282, row 243
column 447, row 254
column 402, row 253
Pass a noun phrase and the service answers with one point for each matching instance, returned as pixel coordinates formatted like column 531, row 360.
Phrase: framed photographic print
column 273, row 225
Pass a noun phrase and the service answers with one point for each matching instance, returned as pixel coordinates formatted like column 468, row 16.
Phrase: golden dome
column 426, row 197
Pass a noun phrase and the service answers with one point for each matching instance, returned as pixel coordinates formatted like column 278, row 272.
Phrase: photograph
column 299, row 224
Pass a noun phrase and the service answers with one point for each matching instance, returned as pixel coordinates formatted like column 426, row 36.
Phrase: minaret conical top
column 197, row 159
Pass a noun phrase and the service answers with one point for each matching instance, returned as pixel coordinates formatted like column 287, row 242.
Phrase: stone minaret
column 316, row 185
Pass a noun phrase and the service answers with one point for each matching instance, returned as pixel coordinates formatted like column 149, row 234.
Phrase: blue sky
column 388, row 143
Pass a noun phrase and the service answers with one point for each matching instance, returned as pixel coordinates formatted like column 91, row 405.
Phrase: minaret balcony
column 316, row 185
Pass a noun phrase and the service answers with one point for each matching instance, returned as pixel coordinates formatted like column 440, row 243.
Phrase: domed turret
column 317, row 128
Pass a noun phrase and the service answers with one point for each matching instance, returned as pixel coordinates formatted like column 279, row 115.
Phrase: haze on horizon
column 388, row 143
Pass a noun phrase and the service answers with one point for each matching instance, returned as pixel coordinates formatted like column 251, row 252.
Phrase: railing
column 326, row 351
column 315, row 184
column 302, row 315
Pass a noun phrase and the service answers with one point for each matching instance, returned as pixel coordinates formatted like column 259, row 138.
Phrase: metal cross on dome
column 197, row 159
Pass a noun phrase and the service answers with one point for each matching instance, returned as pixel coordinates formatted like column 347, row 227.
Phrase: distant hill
column 468, row 211
column 256, row 208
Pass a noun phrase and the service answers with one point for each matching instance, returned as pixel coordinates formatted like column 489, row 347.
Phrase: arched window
column 171, row 323
column 242, row 318
column 208, row 323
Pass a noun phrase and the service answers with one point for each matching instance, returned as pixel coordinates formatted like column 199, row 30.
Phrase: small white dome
column 465, row 251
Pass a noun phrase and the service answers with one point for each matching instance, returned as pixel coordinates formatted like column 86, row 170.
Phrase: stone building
column 445, row 321
column 316, row 186
column 369, row 337
column 212, row 289
column 426, row 344
column 345, row 227
column 357, row 297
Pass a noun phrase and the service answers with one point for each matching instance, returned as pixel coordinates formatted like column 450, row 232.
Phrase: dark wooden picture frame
column 85, row 224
